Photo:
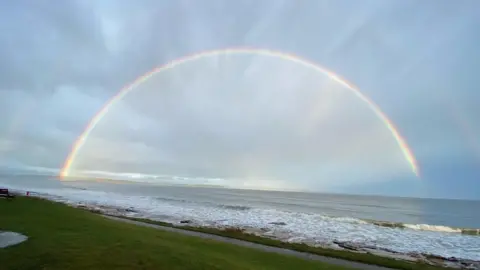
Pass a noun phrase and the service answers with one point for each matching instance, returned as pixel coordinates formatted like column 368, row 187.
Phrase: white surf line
column 283, row 251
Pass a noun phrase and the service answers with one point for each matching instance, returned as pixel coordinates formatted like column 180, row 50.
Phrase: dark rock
column 96, row 211
column 388, row 250
column 388, row 224
column 435, row 257
column 278, row 223
column 415, row 255
column 471, row 266
column 349, row 246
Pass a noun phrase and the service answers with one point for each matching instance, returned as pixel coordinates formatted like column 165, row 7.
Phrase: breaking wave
column 425, row 227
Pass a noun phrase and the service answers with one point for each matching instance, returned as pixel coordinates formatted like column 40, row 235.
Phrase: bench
column 4, row 193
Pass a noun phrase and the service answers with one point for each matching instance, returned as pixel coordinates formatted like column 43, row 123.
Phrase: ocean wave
column 435, row 228
column 425, row 227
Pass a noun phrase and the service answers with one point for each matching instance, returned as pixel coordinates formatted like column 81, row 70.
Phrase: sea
column 442, row 227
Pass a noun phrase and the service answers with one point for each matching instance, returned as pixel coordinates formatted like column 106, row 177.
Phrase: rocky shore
column 274, row 233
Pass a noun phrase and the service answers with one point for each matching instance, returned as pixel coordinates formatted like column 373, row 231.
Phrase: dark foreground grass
column 342, row 254
column 66, row 238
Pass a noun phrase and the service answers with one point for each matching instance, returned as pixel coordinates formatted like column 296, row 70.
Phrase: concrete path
column 283, row 251
column 11, row 238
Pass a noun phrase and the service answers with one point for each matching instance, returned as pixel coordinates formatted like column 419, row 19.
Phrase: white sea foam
column 299, row 227
column 435, row 228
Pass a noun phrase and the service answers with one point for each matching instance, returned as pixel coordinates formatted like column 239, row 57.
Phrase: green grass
column 62, row 237
column 342, row 254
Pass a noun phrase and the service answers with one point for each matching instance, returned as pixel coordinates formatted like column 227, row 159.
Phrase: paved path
column 298, row 254
column 11, row 238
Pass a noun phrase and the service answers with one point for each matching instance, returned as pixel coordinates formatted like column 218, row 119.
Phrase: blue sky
column 418, row 60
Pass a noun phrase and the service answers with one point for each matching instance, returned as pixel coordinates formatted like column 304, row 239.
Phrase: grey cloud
column 41, row 129
column 45, row 44
column 62, row 61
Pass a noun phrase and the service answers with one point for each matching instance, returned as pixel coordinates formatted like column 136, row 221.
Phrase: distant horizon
column 104, row 179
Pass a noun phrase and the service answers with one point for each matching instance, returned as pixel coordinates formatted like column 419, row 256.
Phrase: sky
column 248, row 120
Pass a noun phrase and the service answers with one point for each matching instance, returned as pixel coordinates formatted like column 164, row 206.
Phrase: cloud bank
column 252, row 117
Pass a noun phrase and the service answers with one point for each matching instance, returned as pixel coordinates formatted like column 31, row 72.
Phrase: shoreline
column 277, row 233
column 349, row 264
column 379, row 223
column 63, row 237
column 261, row 236
column 427, row 227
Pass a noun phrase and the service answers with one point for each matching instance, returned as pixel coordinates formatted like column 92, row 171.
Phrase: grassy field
column 62, row 237
column 342, row 254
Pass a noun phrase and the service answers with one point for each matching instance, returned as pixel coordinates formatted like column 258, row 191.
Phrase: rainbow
column 65, row 171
